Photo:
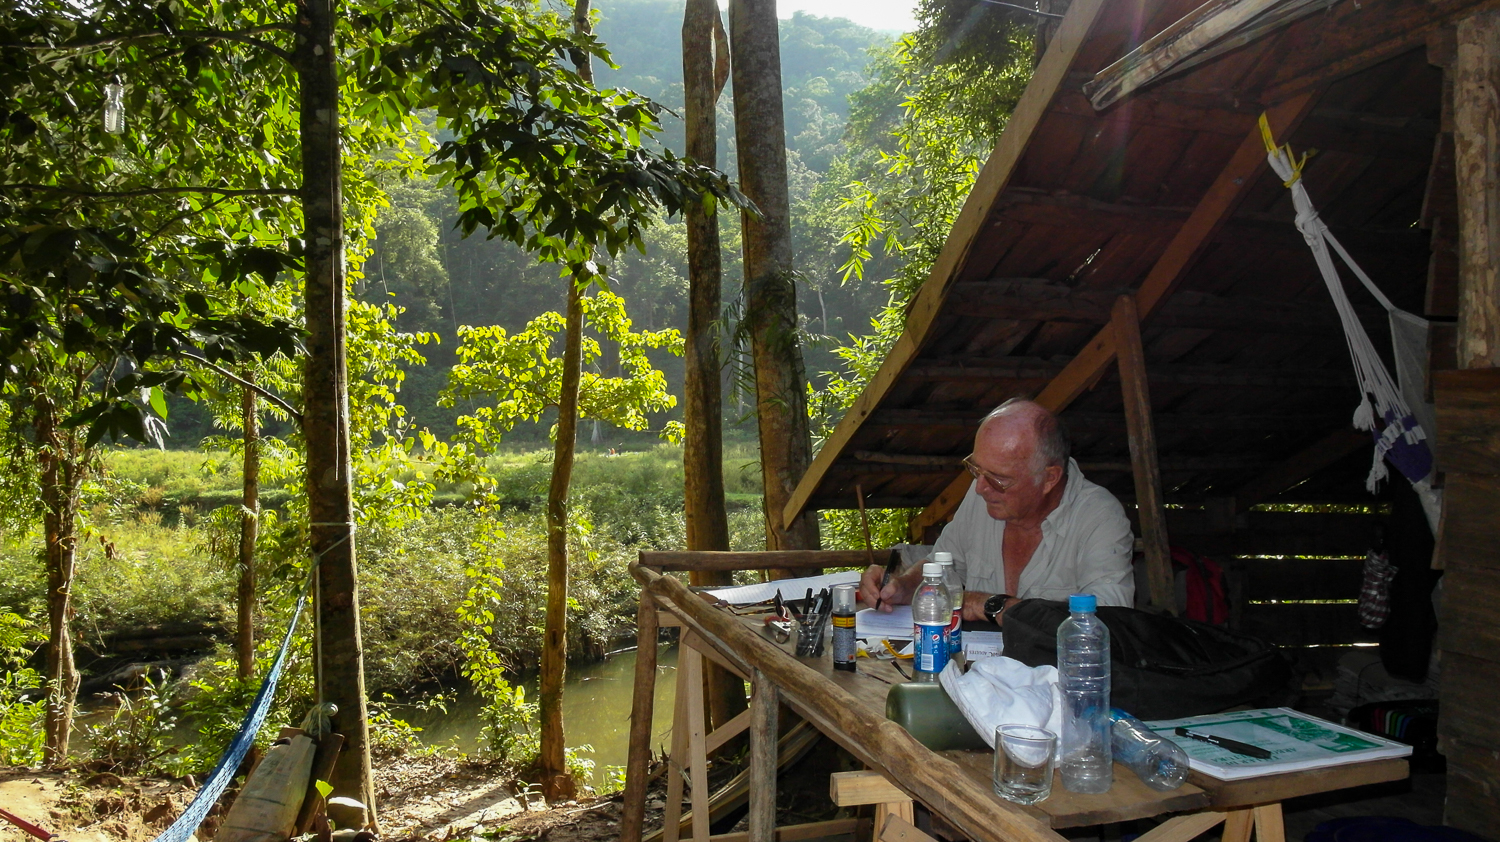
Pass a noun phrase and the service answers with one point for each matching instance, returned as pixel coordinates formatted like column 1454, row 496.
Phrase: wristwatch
column 995, row 605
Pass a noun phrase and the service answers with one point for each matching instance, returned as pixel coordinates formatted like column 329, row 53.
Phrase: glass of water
column 1024, row 760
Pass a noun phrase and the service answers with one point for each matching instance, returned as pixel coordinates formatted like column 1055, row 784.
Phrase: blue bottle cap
column 1083, row 603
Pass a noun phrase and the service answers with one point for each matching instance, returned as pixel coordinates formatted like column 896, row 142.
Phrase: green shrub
column 20, row 720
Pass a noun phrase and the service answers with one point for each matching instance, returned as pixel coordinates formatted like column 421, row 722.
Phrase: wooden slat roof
column 1166, row 195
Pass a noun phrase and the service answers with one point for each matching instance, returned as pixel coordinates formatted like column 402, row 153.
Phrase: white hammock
column 1403, row 438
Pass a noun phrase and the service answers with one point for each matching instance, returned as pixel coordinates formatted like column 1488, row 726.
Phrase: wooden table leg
column 1268, row 826
column 764, row 701
column 852, row 789
column 1237, row 824
column 1182, row 828
column 697, row 734
column 643, row 697
column 672, row 816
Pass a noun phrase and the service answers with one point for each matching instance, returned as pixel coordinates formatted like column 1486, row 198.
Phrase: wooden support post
column 853, row 789
column 676, row 765
column 764, row 700
column 1237, row 825
column 1268, row 824
column 642, row 702
column 1142, row 436
column 1183, row 828
column 1476, row 123
column 690, row 682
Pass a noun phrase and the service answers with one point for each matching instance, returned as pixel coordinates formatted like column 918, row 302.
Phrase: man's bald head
column 1028, row 422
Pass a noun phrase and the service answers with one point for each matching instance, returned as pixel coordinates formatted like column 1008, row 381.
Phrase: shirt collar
column 1071, row 490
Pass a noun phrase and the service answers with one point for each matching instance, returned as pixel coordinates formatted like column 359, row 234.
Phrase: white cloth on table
column 1086, row 547
column 1003, row 691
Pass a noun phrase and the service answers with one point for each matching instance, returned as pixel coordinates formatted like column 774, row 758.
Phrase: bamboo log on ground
column 927, row 777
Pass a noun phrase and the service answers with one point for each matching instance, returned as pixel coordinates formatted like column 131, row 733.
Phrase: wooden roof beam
column 1216, row 206
column 1092, row 421
column 1181, row 375
column 967, row 229
column 1308, row 461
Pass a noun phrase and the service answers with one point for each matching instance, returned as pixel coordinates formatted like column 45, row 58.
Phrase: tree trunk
column 780, row 399
column 244, row 639
column 703, row 401
column 341, row 677
column 557, row 783
column 62, row 477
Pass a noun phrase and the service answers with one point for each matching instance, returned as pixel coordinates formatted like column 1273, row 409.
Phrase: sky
column 889, row 15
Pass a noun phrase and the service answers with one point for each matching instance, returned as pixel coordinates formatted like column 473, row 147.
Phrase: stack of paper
column 790, row 589
column 1296, row 741
column 878, row 624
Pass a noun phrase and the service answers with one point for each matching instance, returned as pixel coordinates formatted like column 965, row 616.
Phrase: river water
column 596, row 710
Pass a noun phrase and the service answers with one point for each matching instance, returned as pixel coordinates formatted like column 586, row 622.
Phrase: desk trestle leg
column 852, row 789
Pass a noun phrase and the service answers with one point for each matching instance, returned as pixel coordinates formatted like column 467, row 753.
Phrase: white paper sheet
column 790, row 589
column 878, row 624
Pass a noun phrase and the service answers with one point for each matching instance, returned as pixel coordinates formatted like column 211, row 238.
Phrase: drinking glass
column 1024, row 763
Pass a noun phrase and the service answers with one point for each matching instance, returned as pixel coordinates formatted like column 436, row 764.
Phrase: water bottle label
column 931, row 646
column 955, row 633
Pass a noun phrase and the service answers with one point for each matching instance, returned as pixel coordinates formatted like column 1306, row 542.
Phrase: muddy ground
column 432, row 799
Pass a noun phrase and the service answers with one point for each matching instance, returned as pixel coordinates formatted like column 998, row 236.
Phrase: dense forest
column 161, row 418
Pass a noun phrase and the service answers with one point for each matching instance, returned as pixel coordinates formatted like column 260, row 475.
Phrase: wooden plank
column 1467, row 691
column 1473, row 787
column 831, row 829
column 763, row 708
column 1231, row 795
column 1212, row 210
column 690, row 668
column 1299, row 578
column 1471, row 525
column 1476, row 136
column 898, row 828
column 1468, row 420
column 1126, row 800
column 1237, row 825
column 1305, row 624
column 1268, row 825
column 853, row 789
column 788, row 559
column 642, row 702
column 728, row 731
column 936, row 781
column 1184, row 828
column 676, row 768
column 1150, row 504
column 967, row 229
column 1303, row 464
column 1471, row 611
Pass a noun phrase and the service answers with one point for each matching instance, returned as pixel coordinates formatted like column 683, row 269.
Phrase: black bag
column 1160, row 667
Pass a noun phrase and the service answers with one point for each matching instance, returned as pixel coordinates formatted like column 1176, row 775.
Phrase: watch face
column 994, row 604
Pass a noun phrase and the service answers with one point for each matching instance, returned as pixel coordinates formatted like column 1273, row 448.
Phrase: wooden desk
column 850, row 709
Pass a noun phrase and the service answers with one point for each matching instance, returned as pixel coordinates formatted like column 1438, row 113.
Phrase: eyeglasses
column 997, row 482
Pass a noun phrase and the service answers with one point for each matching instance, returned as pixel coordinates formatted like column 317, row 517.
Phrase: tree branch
column 226, row 373
column 154, row 191
column 242, row 36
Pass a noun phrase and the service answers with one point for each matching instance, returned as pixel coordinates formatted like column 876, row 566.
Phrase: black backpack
column 1160, row 667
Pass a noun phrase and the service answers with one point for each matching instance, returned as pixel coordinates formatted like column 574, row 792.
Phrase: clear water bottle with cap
column 955, row 586
column 1084, row 757
column 931, row 612
column 1160, row 763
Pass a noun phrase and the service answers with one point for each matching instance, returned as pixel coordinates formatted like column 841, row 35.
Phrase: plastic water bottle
column 1160, row 763
column 1083, row 676
column 955, row 586
column 931, row 612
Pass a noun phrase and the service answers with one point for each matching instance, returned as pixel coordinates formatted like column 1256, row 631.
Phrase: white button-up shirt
column 1086, row 547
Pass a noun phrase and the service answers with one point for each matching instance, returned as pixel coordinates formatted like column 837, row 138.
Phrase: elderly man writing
column 1030, row 526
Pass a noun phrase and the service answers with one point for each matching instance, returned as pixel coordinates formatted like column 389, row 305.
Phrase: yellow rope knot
column 1270, row 141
